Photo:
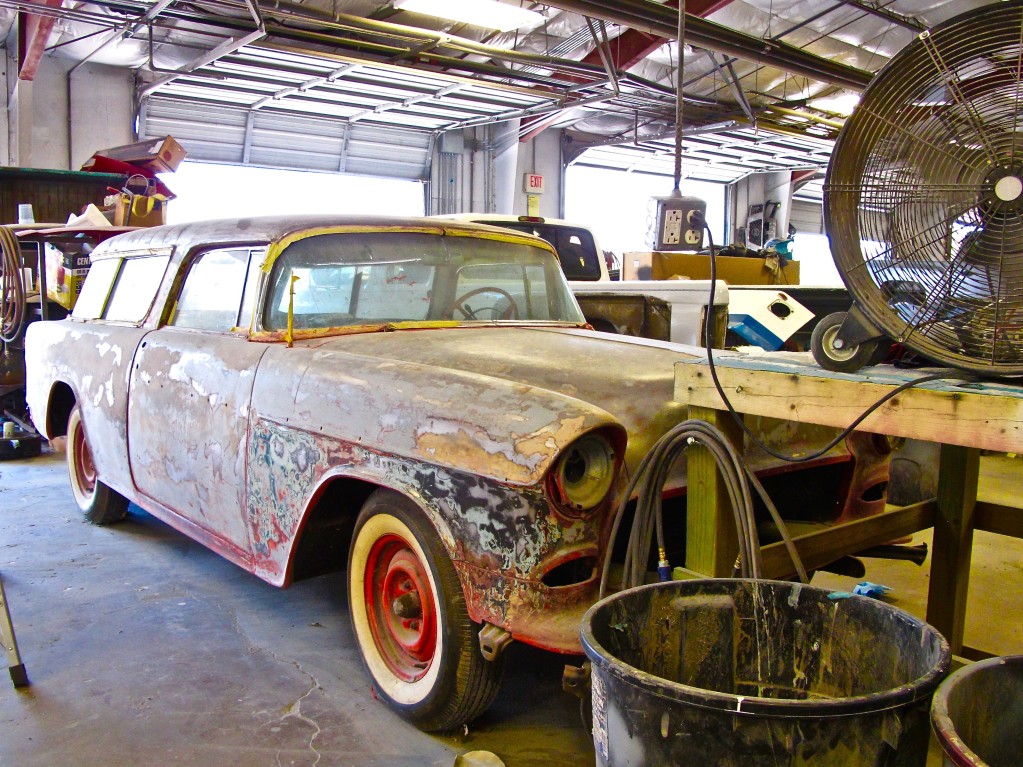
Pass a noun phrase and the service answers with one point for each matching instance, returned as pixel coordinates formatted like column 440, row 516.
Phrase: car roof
column 262, row 229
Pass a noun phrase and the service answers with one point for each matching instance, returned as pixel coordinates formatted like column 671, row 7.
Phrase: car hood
column 460, row 393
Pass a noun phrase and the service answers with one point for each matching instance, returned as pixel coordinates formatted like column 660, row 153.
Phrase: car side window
column 211, row 297
column 135, row 288
column 96, row 289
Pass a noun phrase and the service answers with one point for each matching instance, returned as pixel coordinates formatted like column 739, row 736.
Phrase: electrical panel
column 677, row 223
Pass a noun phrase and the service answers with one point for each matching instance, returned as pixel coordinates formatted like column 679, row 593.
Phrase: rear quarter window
column 215, row 288
column 135, row 288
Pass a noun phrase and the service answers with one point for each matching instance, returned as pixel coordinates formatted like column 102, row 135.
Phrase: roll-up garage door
column 237, row 135
column 807, row 217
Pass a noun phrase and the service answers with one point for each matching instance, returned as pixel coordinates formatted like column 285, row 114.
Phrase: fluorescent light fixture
column 488, row 14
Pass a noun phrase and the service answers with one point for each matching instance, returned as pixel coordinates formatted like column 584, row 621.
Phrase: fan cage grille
column 924, row 198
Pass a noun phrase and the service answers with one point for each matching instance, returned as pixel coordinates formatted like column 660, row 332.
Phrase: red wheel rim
column 85, row 470
column 401, row 607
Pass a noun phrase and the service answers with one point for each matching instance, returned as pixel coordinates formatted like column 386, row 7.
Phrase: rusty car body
column 419, row 398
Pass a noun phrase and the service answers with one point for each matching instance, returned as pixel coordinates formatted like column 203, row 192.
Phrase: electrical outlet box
column 678, row 223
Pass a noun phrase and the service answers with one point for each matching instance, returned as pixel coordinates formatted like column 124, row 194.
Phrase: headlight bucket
column 584, row 474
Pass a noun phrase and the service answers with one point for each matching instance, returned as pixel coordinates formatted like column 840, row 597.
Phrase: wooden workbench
column 964, row 417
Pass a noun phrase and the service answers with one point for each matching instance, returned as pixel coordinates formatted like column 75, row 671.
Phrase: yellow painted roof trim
column 277, row 247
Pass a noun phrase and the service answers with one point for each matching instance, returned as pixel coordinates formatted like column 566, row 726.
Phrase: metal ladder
column 18, row 674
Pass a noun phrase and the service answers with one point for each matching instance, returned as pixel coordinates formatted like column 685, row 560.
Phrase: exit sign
column 533, row 183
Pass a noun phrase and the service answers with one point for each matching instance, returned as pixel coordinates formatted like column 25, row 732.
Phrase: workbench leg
column 958, row 471
column 711, row 544
column 18, row 675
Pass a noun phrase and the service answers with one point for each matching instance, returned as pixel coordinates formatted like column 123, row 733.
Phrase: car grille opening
column 569, row 573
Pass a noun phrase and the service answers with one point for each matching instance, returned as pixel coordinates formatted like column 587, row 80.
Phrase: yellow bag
column 140, row 209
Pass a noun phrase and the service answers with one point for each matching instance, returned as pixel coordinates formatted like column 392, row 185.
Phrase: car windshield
column 369, row 278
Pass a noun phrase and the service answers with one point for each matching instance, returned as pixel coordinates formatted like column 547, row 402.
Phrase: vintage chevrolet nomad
column 418, row 401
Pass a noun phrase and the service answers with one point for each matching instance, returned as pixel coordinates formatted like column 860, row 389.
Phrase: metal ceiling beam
column 883, row 13
column 728, row 72
column 123, row 32
column 630, row 48
column 662, row 20
column 226, row 47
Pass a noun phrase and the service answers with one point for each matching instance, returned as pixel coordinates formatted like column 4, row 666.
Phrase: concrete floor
column 145, row 648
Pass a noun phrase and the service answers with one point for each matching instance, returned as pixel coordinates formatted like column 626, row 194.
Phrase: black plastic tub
column 750, row 673
column 978, row 714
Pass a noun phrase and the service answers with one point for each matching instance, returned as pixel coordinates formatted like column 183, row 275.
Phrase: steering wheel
column 511, row 313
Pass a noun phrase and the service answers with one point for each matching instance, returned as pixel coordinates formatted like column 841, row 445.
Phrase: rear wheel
column 98, row 503
column 408, row 612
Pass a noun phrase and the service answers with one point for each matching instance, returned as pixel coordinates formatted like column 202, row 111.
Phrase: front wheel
column 99, row 504
column 408, row 612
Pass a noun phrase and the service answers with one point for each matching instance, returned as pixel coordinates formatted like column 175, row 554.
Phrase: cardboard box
column 139, row 210
column 158, row 155
column 664, row 265
column 65, row 273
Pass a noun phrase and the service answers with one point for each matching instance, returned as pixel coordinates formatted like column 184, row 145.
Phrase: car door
column 191, row 384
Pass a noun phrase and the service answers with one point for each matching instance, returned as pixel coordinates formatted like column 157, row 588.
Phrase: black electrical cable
column 707, row 341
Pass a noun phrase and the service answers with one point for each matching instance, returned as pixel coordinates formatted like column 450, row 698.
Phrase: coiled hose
column 12, row 289
column 648, row 484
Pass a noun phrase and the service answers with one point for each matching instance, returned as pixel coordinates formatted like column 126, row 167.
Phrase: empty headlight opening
column 584, row 474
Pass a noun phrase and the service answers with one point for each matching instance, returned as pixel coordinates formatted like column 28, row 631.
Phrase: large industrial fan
column 924, row 203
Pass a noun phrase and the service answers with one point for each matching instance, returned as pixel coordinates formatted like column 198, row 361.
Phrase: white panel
column 102, row 110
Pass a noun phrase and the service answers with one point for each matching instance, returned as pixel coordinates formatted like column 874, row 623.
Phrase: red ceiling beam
column 799, row 176
column 632, row 46
column 33, row 37
column 627, row 50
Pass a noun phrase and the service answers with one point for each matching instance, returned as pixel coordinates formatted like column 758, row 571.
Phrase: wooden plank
column 711, row 543
column 958, row 473
column 819, row 548
column 983, row 415
column 996, row 518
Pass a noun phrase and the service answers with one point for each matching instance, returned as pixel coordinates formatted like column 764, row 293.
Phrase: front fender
column 502, row 538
